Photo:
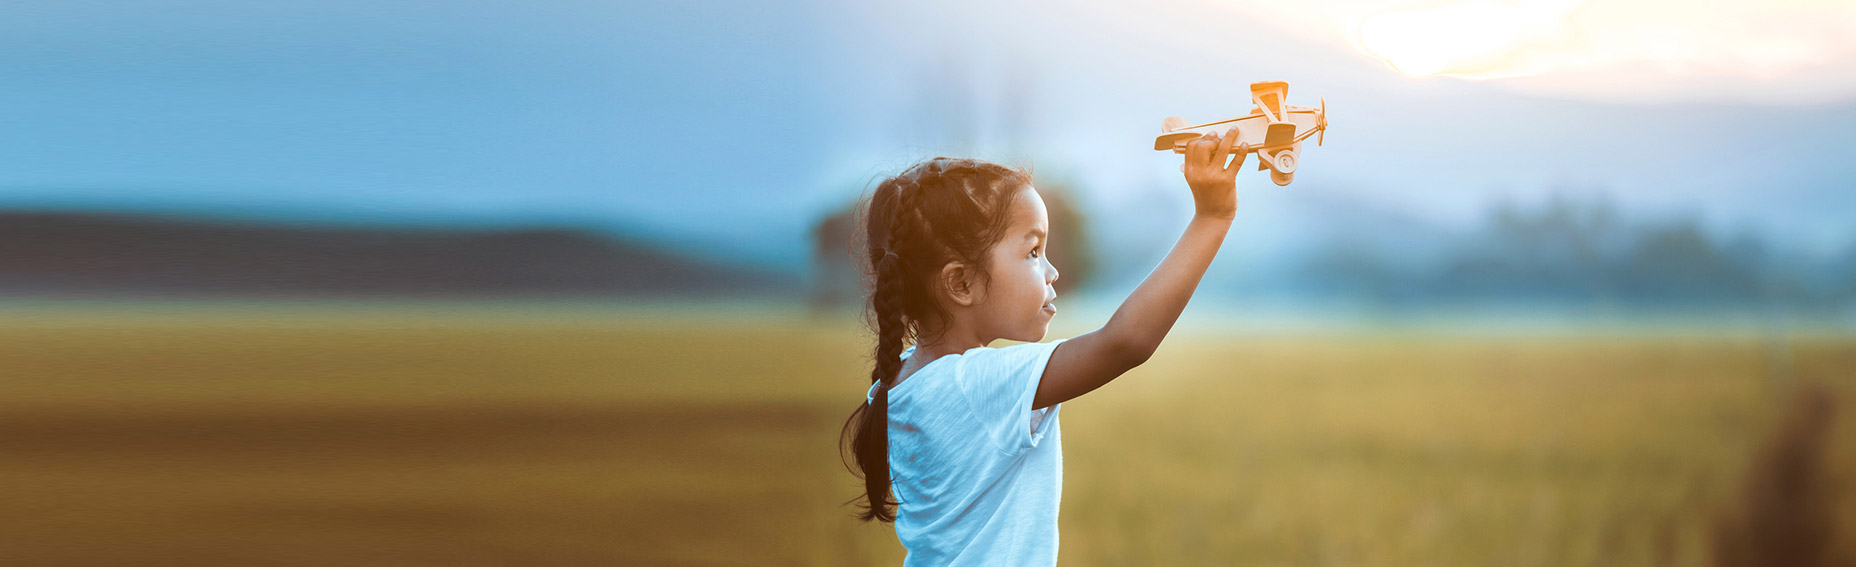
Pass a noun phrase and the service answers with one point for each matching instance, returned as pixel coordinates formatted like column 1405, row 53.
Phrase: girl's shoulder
column 999, row 385
column 981, row 366
column 1016, row 360
column 1013, row 351
column 981, row 357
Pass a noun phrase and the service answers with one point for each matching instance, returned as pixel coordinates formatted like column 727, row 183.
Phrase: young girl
column 966, row 435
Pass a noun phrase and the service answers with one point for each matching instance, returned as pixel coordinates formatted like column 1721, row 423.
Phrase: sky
column 726, row 129
column 1788, row 51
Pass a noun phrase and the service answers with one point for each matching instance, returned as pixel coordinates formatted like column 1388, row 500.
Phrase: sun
column 1472, row 39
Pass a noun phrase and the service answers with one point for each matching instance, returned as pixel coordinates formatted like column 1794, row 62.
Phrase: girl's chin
column 1032, row 335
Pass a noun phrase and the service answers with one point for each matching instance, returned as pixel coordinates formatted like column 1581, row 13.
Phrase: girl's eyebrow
column 1036, row 233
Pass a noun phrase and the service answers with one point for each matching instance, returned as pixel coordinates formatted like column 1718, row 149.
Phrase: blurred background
column 569, row 282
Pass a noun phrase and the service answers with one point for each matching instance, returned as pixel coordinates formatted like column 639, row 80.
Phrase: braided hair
column 938, row 211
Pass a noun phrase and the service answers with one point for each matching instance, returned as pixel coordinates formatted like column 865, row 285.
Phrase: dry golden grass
column 441, row 436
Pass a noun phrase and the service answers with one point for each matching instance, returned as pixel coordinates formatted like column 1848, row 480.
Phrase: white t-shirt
column 978, row 473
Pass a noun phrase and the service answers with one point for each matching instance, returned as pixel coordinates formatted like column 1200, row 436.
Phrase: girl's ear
column 957, row 282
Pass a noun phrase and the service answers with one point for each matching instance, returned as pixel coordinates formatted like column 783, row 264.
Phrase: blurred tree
column 1677, row 263
column 1561, row 251
column 1568, row 252
column 1351, row 267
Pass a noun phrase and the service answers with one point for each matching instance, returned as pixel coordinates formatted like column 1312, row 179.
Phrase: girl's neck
column 950, row 341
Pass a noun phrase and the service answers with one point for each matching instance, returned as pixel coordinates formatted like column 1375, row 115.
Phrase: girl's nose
column 1050, row 271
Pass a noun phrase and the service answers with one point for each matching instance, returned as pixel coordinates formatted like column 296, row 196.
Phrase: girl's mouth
column 1051, row 307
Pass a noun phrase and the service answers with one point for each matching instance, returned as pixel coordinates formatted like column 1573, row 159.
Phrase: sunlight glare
column 1472, row 39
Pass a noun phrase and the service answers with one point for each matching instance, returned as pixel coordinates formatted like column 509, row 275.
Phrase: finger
column 1210, row 142
column 1242, row 151
column 1198, row 151
column 1224, row 146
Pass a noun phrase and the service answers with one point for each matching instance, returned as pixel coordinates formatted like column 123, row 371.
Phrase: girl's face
column 1017, row 302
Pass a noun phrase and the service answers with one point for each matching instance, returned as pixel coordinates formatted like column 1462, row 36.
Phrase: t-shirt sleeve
column 1000, row 385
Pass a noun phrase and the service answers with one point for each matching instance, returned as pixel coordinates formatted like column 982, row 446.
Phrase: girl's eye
column 1034, row 252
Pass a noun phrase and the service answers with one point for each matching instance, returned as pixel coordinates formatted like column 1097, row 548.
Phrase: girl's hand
column 1214, row 184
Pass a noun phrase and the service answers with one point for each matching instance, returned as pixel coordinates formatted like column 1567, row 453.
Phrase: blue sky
column 442, row 108
column 726, row 128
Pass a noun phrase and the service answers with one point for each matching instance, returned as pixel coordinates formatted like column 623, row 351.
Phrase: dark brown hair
column 935, row 212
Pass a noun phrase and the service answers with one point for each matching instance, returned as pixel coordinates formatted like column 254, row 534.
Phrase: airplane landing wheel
column 1281, row 178
column 1285, row 162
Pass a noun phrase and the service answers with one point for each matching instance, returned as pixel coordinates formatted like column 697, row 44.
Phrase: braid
column 893, row 329
column 911, row 228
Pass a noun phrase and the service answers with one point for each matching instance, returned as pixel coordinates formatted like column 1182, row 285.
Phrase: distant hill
column 59, row 253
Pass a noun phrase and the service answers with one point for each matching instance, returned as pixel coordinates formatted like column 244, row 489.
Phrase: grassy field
column 435, row 436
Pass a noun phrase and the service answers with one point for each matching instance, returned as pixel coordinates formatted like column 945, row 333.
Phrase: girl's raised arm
column 1084, row 363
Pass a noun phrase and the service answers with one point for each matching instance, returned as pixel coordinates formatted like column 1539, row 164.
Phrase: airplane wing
column 1269, row 96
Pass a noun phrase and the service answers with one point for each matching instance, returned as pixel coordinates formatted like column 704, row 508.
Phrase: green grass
column 491, row 437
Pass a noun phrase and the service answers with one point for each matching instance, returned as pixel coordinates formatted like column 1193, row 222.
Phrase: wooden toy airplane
column 1274, row 130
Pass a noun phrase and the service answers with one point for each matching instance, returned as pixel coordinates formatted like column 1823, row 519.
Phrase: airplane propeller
column 1322, row 123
